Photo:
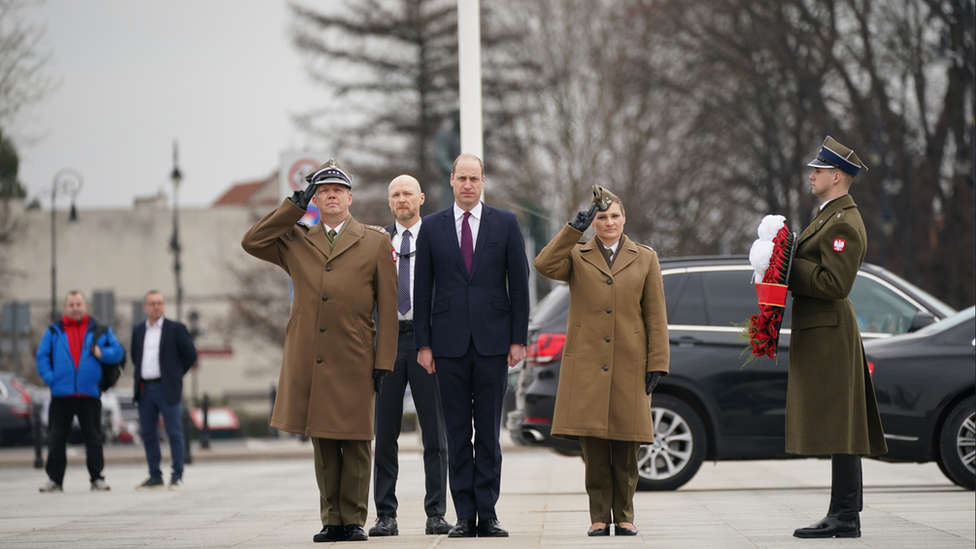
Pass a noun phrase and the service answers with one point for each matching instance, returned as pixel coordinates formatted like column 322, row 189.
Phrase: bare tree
column 392, row 68
column 260, row 304
column 23, row 60
column 767, row 79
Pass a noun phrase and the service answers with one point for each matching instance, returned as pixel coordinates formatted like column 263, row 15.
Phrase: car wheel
column 678, row 449
column 957, row 444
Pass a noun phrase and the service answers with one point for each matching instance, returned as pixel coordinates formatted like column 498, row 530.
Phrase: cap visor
column 819, row 164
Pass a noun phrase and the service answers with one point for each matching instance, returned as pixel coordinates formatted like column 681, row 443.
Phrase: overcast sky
column 218, row 76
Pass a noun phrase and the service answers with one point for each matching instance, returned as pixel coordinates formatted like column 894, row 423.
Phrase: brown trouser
column 611, row 478
column 342, row 470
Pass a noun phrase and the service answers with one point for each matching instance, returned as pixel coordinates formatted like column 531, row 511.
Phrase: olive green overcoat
column 325, row 387
column 617, row 332
column 831, row 407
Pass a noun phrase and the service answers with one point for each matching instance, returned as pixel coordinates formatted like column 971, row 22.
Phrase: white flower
column 759, row 256
column 770, row 225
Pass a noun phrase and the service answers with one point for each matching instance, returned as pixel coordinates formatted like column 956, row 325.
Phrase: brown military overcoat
column 617, row 332
column 325, row 388
column 831, row 407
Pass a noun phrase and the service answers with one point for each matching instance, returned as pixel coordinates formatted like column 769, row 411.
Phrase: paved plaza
column 258, row 493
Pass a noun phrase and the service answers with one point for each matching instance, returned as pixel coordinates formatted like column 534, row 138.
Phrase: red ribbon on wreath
column 764, row 328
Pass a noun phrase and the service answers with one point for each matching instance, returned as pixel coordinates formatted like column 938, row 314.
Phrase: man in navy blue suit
column 471, row 297
column 162, row 353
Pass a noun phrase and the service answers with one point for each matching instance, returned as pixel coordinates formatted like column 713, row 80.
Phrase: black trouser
column 60, row 414
column 472, row 391
column 846, row 486
column 389, row 415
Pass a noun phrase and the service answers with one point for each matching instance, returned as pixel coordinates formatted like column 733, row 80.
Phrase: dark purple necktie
column 403, row 275
column 467, row 247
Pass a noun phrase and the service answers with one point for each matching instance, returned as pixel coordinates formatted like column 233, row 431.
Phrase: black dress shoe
column 605, row 531
column 619, row 530
column 491, row 529
column 842, row 526
column 355, row 532
column 435, row 525
column 330, row 533
column 463, row 529
column 385, row 526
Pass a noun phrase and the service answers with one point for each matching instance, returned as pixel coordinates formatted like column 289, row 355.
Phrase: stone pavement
column 259, row 494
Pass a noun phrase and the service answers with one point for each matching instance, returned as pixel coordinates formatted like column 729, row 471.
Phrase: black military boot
column 846, row 501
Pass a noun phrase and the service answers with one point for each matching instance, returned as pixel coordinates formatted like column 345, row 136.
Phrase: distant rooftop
column 262, row 192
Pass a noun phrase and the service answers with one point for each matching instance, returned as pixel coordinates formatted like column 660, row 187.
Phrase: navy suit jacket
column 490, row 306
column 177, row 355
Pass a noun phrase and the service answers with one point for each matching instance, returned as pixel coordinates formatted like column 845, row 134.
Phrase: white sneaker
column 99, row 485
column 176, row 484
column 51, row 486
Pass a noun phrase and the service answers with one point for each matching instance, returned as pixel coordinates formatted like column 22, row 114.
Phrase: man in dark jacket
column 69, row 362
column 831, row 408
column 162, row 353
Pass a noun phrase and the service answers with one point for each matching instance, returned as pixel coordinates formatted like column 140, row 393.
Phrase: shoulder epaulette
column 644, row 246
column 301, row 223
column 380, row 230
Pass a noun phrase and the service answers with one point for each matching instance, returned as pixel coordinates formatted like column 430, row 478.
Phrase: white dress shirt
column 150, row 350
column 337, row 229
column 474, row 222
column 397, row 242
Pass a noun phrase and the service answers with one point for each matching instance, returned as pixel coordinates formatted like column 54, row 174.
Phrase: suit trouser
column 611, row 478
column 60, row 414
column 342, row 473
column 152, row 404
column 472, row 390
column 389, row 415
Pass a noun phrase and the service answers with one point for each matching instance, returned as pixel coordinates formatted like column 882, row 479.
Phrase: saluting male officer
column 831, row 407
column 405, row 200
column 340, row 270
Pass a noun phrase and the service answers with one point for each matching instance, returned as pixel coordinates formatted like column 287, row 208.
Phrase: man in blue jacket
column 70, row 363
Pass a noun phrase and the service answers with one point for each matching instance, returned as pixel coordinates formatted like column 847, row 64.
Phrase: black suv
column 710, row 406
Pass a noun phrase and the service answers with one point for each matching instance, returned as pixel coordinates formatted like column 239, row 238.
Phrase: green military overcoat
column 325, row 387
column 617, row 332
column 831, row 407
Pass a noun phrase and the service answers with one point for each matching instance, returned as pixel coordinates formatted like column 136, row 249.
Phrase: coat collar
column 592, row 253
column 843, row 203
column 352, row 233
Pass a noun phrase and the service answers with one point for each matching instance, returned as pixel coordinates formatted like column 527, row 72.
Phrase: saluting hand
column 425, row 357
column 583, row 219
column 302, row 198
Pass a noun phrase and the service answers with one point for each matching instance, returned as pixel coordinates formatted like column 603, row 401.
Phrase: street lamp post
column 67, row 181
column 174, row 243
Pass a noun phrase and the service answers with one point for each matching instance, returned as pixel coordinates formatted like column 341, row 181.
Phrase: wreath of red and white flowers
column 771, row 256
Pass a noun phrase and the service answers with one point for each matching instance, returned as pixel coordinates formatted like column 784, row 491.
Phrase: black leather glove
column 302, row 198
column 651, row 379
column 378, row 376
column 583, row 219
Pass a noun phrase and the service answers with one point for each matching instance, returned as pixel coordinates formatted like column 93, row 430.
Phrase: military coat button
column 609, row 281
column 607, row 340
column 606, row 368
column 325, row 298
column 609, row 311
column 321, row 330
column 328, row 269
column 318, row 360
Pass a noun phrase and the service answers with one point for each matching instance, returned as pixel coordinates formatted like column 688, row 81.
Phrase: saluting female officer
column 616, row 350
